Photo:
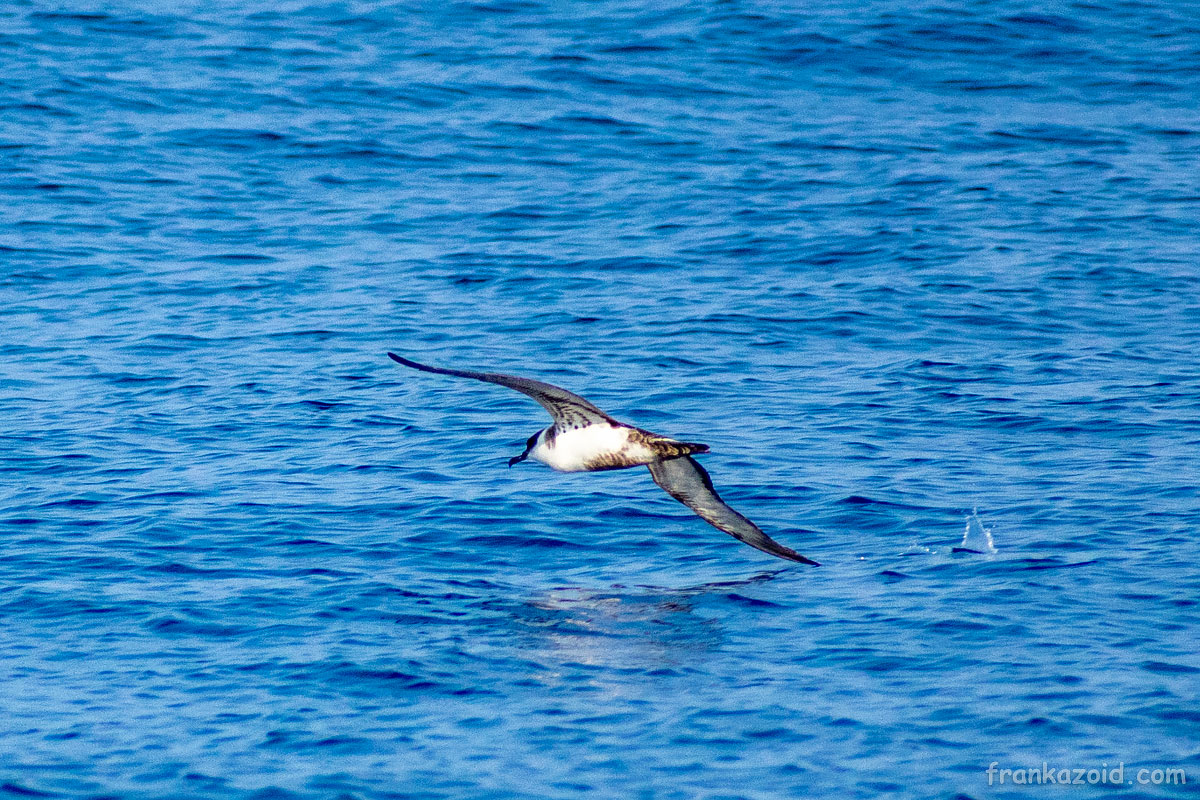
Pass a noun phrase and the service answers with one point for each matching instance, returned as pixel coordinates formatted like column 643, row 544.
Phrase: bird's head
column 529, row 445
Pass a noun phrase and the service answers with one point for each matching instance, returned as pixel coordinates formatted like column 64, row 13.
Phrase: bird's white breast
column 580, row 449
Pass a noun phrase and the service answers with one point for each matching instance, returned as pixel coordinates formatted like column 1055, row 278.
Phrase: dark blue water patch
column 508, row 541
column 1168, row 669
column 17, row 790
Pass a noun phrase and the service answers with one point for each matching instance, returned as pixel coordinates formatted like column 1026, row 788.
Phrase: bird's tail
column 673, row 448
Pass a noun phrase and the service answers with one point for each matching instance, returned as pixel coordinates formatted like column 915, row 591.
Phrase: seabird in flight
column 585, row 439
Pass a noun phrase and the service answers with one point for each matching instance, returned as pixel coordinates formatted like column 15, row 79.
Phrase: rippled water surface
column 895, row 263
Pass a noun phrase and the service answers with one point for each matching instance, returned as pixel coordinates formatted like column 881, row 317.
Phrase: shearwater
column 585, row 439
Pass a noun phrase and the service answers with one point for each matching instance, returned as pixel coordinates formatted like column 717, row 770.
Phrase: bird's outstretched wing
column 686, row 481
column 569, row 410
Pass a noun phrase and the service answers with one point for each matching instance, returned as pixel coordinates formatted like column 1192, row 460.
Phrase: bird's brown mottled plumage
column 665, row 446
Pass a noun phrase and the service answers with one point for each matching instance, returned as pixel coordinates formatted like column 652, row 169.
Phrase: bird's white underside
column 572, row 450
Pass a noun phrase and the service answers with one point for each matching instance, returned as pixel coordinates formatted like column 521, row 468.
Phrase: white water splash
column 976, row 538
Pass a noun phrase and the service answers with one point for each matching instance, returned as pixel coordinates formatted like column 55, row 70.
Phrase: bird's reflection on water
column 640, row 626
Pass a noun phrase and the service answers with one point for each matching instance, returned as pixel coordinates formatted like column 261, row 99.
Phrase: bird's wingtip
column 405, row 362
column 792, row 555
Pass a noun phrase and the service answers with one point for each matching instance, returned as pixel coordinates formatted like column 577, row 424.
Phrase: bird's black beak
column 517, row 459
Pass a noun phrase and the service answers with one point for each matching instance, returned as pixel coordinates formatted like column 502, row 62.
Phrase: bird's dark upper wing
column 568, row 409
column 686, row 481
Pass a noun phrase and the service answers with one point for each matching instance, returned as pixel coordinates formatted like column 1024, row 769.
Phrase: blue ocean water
column 911, row 271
